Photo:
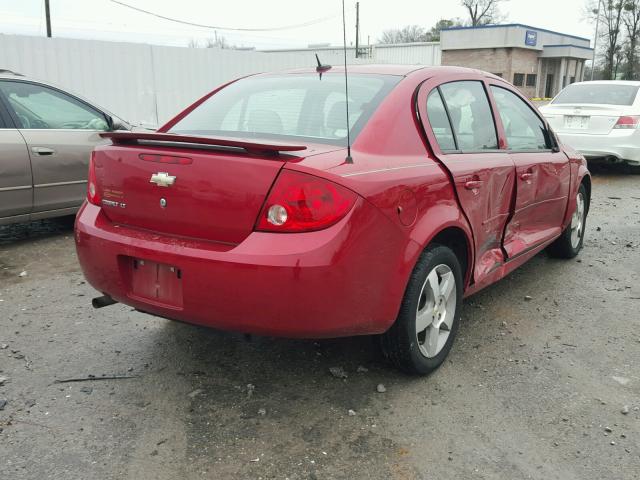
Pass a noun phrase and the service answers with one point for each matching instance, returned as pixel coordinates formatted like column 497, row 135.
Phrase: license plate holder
column 156, row 282
column 576, row 122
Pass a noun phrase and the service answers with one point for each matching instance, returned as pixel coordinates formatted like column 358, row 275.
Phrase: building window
column 518, row 79
column 532, row 80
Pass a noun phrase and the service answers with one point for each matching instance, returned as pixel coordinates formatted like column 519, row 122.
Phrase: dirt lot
column 543, row 381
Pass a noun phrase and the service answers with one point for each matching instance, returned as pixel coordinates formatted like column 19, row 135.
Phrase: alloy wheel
column 436, row 310
column 577, row 221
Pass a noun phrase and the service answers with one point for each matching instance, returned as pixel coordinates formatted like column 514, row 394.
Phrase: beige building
column 539, row 62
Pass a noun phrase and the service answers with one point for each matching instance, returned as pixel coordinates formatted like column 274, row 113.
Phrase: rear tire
column 422, row 335
column 569, row 243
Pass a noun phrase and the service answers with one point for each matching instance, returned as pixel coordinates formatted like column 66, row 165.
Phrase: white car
column 600, row 119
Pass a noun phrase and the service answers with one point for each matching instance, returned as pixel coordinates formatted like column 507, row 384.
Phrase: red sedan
column 245, row 212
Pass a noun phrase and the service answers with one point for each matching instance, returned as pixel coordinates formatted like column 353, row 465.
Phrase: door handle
column 526, row 176
column 43, row 150
column 473, row 184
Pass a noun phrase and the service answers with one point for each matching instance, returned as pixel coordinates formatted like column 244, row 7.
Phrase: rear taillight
column 628, row 121
column 92, row 184
column 299, row 202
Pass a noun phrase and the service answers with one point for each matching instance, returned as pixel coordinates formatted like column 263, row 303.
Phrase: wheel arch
column 457, row 239
column 586, row 181
column 452, row 231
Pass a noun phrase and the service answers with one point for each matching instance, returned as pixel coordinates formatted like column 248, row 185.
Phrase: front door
column 466, row 142
column 542, row 175
column 60, row 131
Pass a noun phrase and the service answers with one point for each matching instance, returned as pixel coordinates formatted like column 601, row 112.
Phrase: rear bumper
column 623, row 145
column 346, row 280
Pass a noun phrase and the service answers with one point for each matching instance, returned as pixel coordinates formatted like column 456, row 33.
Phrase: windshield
column 300, row 106
column 598, row 93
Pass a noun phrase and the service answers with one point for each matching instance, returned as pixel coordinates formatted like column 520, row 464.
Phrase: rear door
column 60, row 131
column 463, row 135
column 16, row 189
column 542, row 174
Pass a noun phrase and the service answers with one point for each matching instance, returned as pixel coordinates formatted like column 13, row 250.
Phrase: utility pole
column 595, row 41
column 47, row 14
column 357, row 28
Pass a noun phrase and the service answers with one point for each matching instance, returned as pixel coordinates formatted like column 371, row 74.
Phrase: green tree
column 434, row 34
column 610, row 16
column 631, row 20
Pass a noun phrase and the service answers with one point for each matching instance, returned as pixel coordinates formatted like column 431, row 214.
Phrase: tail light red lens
column 299, row 202
column 93, row 196
column 628, row 121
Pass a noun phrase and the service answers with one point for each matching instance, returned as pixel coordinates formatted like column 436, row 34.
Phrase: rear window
column 598, row 93
column 301, row 106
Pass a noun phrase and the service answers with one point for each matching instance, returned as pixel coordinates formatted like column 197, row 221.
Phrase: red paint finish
column 134, row 138
column 541, row 200
column 206, row 262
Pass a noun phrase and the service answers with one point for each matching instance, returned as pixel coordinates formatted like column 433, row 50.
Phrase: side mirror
column 114, row 124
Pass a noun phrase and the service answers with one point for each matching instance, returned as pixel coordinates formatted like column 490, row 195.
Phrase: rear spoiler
column 134, row 138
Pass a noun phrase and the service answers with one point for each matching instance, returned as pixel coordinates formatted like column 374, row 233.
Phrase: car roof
column 609, row 82
column 393, row 69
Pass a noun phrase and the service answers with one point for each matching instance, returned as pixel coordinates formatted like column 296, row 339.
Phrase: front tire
column 422, row 335
column 569, row 243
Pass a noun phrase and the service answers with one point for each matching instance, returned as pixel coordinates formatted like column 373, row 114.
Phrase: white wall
column 426, row 53
column 419, row 53
column 149, row 84
column 140, row 83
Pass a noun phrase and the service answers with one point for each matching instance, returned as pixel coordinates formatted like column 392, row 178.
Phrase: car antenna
column 346, row 85
column 321, row 68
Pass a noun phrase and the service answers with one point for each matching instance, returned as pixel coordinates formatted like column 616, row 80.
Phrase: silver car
column 46, row 136
column 600, row 119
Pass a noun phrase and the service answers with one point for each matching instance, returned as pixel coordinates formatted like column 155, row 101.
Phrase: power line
column 214, row 27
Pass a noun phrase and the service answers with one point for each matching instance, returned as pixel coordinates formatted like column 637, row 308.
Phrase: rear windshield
column 300, row 106
column 598, row 93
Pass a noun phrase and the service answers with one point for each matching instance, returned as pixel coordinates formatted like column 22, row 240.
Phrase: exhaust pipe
column 103, row 301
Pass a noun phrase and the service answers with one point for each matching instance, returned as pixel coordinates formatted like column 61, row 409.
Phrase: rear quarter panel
column 393, row 169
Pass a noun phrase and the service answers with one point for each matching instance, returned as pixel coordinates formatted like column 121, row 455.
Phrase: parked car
column 46, row 137
column 245, row 212
column 599, row 119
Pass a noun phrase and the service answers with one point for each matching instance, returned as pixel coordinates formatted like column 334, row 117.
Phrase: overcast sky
column 105, row 20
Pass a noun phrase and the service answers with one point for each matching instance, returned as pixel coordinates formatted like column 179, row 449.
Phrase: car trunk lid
column 584, row 118
column 199, row 187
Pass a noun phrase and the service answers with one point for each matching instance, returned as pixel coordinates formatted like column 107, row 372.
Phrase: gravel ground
column 542, row 383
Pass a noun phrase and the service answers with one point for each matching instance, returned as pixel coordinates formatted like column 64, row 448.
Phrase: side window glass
column 439, row 122
column 523, row 128
column 470, row 115
column 40, row 107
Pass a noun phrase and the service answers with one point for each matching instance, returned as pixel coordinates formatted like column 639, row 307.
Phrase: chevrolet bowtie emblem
column 162, row 179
